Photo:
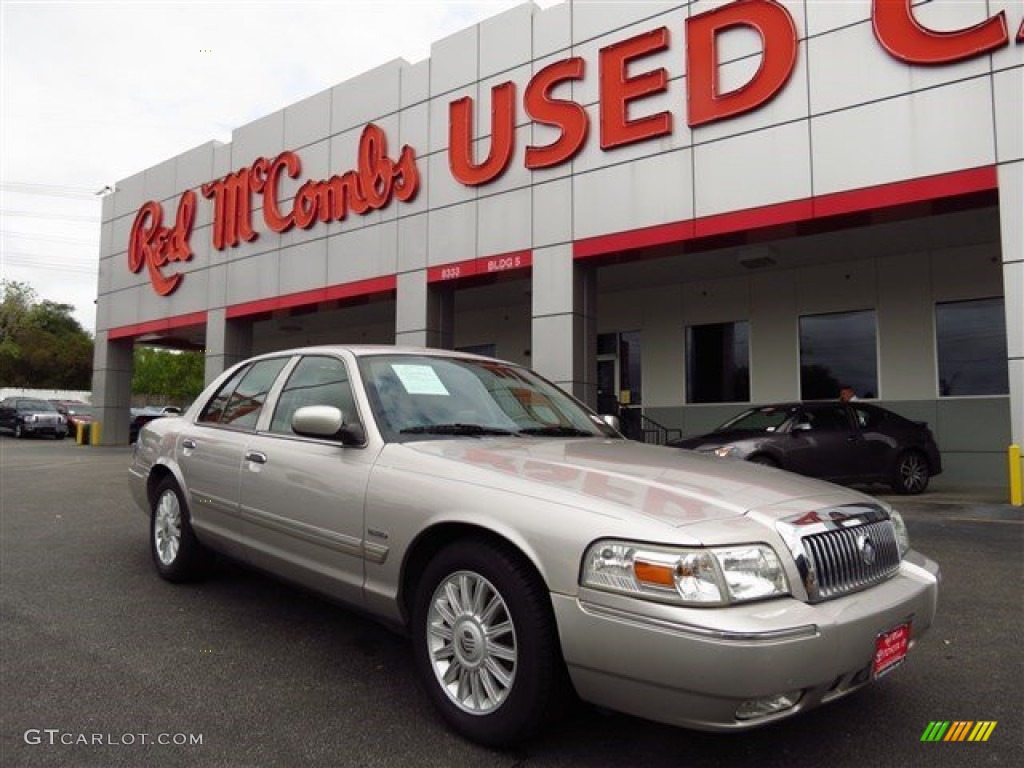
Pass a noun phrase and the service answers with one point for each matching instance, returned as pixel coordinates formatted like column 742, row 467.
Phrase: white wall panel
column 506, row 40
column 552, row 30
column 303, row 266
column 454, row 61
column 412, row 243
column 552, row 212
column 260, row 138
column 159, row 181
column 938, row 131
column 362, row 254
column 505, row 222
column 414, row 130
column 217, row 286
column 825, row 16
column 308, row 121
column 367, row 97
column 444, row 189
column 751, row 170
column 1009, row 99
column 592, row 20
column 906, row 328
column 193, row 168
column 849, row 67
column 452, row 234
column 130, row 195
column 633, row 195
column 415, row 83
column 1011, row 55
column 253, row 278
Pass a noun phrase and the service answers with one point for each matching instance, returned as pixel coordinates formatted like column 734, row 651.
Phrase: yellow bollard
column 1016, row 493
column 94, row 433
column 81, row 434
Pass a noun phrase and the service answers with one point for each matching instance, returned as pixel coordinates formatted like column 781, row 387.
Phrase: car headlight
column 900, row 527
column 698, row 577
column 725, row 451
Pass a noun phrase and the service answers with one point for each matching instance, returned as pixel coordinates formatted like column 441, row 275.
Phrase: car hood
column 713, row 440
column 619, row 477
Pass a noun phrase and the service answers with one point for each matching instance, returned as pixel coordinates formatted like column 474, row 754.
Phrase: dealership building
column 674, row 210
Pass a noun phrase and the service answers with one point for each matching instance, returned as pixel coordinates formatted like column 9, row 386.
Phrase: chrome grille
column 840, row 550
column 849, row 559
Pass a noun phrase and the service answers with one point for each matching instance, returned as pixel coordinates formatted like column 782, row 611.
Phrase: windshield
column 36, row 406
column 767, row 419
column 417, row 396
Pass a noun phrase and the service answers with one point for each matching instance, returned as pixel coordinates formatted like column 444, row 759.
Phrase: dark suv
column 24, row 416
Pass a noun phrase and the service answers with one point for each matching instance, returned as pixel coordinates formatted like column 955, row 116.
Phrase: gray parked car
column 527, row 548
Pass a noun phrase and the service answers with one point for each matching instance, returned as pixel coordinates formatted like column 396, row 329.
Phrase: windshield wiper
column 455, row 429
column 556, row 432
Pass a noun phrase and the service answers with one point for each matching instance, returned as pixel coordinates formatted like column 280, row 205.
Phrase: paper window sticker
column 419, row 379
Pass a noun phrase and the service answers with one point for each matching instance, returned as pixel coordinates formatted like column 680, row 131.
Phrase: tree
column 170, row 375
column 42, row 346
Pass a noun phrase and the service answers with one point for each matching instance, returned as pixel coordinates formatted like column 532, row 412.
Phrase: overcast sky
column 94, row 92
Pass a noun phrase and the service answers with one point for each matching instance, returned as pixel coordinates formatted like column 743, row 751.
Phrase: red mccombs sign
column 378, row 179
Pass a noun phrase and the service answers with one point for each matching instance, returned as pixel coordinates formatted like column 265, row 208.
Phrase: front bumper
column 695, row 667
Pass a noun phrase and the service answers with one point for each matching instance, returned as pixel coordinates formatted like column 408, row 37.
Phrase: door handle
column 256, row 457
column 189, row 443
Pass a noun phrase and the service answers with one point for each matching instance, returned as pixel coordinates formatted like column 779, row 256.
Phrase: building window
column 838, row 350
column 971, row 347
column 718, row 363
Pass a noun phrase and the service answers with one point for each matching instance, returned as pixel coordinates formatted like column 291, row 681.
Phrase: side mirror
column 612, row 421
column 326, row 421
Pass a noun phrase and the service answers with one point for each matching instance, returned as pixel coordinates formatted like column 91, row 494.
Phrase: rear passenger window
column 241, row 399
column 315, row 381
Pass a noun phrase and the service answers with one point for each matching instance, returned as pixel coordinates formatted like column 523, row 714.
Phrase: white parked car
column 527, row 547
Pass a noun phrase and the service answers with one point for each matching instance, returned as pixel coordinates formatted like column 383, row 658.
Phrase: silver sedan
column 528, row 549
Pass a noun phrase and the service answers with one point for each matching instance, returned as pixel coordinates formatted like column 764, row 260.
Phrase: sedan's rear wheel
column 177, row 554
column 485, row 643
column 911, row 474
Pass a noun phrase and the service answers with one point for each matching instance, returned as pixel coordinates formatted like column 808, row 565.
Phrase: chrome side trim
column 348, row 545
column 375, row 553
column 694, row 631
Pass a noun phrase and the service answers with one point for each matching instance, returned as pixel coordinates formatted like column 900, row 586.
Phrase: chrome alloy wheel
column 914, row 473
column 471, row 641
column 167, row 528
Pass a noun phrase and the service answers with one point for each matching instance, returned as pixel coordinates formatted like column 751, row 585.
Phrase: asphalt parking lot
column 101, row 661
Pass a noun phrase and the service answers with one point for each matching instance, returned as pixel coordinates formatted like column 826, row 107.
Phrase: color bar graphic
column 958, row 730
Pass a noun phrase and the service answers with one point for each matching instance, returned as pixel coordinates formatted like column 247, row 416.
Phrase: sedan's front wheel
column 177, row 554
column 485, row 643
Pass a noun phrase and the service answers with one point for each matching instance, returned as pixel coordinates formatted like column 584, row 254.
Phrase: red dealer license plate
column 890, row 649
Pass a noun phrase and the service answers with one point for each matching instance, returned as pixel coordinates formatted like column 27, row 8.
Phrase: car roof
column 369, row 350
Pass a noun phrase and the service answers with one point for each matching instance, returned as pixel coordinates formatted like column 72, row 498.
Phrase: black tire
column 18, row 431
column 911, row 473
column 177, row 553
column 504, row 685
column 763, row 460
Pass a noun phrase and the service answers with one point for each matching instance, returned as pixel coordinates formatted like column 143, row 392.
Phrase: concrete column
column 1011, row 227
column 112, row 370
column 424, row 313
column 227, row 342
column 564, row 322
